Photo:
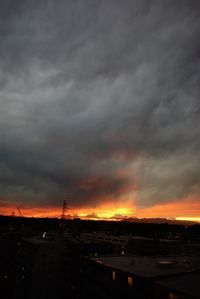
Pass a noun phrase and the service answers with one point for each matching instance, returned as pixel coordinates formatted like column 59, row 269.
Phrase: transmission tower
column 64, row 210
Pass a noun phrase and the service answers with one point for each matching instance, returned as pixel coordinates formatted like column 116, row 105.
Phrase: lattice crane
column 19, row 211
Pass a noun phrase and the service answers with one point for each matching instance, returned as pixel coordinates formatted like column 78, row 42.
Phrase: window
column 172, row 296
column 113, row 275
column 130, row 281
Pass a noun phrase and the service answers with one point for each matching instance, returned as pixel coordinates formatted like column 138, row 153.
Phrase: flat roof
column 38, row 241
column 187, row 284
column 150, row 266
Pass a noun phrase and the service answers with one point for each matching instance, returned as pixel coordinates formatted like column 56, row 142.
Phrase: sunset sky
column 100, row 106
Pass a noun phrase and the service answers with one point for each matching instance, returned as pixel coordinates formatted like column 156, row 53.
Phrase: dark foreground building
column 50, row 266
column 185, row 286
column 38, row 269
column 133, row 276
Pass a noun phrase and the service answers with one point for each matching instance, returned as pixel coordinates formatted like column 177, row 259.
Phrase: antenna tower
column 64, row 210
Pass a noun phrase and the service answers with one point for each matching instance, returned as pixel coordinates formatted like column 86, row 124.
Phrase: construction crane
column 19, row 211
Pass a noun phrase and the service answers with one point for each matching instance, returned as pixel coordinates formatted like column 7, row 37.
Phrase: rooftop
column 36, row 241
column 151, row 266
column 187, row 284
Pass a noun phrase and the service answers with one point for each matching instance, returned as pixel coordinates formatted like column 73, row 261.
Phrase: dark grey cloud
column 99, row 99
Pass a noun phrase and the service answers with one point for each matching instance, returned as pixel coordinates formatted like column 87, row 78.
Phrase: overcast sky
column 99, row 100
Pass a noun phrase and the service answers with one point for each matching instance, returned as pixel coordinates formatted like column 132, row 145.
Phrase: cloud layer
column 99, row 101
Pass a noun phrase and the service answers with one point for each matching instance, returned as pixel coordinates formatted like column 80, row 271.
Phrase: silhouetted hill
column 160, row 221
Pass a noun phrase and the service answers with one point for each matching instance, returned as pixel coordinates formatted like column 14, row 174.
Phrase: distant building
column 189, row 248
column 136, row 244
column 118, row 243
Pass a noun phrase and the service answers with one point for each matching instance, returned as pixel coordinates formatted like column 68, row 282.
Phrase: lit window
column 130, row 280
column 172, row 296
column 113, row 275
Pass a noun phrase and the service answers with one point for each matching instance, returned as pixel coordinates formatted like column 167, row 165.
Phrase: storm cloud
column 98, row 100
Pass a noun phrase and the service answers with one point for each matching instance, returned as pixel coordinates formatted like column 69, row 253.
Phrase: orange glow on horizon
column 188, row 209
column 101, row 212
column 181, row 210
